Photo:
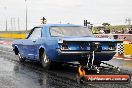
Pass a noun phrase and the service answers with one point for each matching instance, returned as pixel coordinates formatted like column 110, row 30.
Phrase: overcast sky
column 64, row 11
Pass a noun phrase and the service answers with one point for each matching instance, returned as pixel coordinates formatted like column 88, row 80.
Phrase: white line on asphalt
column 127, row 59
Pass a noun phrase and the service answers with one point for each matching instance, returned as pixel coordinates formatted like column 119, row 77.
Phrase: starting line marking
column 126, row 59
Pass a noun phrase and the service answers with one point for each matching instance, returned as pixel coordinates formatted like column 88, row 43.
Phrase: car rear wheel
column 20, row 58
column 45, row 61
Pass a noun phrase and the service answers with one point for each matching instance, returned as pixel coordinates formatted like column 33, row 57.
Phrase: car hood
column 86, row 39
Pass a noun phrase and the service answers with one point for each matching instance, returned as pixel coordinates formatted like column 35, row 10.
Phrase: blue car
column 51, row 43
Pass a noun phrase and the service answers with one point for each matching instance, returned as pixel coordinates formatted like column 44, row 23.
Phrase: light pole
column 6, row 24
column 26, row 14
column 6, row 18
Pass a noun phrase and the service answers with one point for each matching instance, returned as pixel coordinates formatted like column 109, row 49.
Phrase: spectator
column 122, row 32
column 101, row 31
column 130, row 30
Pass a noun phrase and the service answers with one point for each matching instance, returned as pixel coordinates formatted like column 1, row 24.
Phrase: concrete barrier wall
column 126, row 38
column 128, row 49
column 13, row 35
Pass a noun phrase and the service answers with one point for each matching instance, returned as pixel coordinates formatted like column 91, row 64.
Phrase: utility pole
column 6, row 24
column 18, row 21
column 14, row 22
column 26, row 14
column 11, row 24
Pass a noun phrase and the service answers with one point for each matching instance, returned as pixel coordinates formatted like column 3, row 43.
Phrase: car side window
column 36, row 34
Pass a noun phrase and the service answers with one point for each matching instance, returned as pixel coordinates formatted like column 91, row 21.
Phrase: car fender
column 15, row 46
column 41, row 46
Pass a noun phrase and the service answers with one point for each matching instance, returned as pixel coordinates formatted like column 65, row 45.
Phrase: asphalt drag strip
column 14, row 74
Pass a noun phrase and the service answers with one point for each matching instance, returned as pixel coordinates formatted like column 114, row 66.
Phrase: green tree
column 106, row 24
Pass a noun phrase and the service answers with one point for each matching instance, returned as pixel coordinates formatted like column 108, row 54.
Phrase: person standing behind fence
column 122, row 32
column 130, row 30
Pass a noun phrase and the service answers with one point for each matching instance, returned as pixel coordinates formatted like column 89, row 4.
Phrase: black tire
column 46, row 63
column 20, row 58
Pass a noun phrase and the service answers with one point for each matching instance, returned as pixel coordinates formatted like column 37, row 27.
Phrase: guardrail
column 126, row 38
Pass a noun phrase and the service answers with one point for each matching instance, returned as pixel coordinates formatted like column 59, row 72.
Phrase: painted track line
column 125, row 58
column 6, row 42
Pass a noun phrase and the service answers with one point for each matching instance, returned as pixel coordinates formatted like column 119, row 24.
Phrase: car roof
column 66, row 25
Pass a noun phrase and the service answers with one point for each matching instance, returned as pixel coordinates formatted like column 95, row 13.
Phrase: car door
column 29, row 45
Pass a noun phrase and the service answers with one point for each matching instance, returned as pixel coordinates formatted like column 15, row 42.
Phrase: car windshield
column 70, row 31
